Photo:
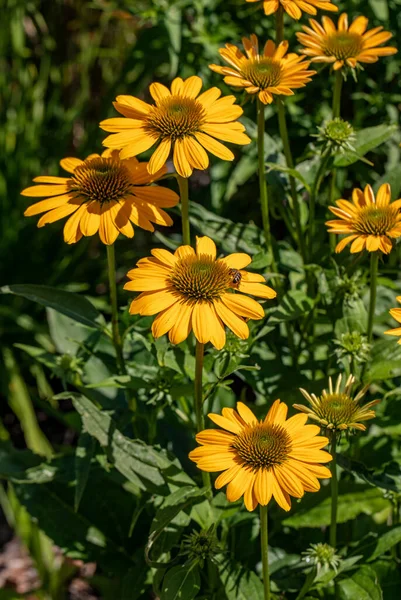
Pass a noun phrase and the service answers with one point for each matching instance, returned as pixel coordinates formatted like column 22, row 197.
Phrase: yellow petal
column 58, row 213
column 243, row 306
column 192, row 86
column 45, row 190
column 205, row 247
column 72, row 231
column 257, row 289
column 70, row 164
column 90, row 220
column 45, row 205
column 165, row 320
column 158, row 91
column 246, row 414
column 237, row 260
column 180, row 159
column 159, row 156
column 235, row 323
column 150, row 303
column 164, row 256
column 214, row 146
column 264, row 486
column 182, row 327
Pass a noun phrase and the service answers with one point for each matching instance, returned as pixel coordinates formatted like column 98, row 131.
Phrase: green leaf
column 291, row 172
column 380, row 479
column 367, row 501
column 178, row 501
column 293, row 305
column 366, row 140
column 239, row 583
column 139, row 463
column 385, row 361
column 392, row 177
column 83, row 458
column 175, row 503
column 376, row 545
column 232, row 237
column 363, row 585
column 180, row 583
column 380, row 9
column 93, row 534
column 67, row 303
column 21, row 404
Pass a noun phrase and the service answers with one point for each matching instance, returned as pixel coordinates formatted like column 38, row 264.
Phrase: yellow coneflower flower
column 396, row 314
column 276, row 457
column 194, row 291
column 267, row 74
column 295, row 7
column 369, row 221
column 337, row 409
column 103, row 194
column 180, row 120
column 344, row 46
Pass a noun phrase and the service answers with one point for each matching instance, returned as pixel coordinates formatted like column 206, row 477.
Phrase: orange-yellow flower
column 337, row 409
column 102, row 194
column 195, row 291
column 369, row 221
column 180, row 121
column 344, row 46
column 276, row 457
column 273, row 72
column 295, row 7
column 396, row 314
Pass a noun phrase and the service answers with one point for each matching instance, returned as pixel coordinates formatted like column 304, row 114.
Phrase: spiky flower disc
column 181, row 121
column 369, row 221
column 344, row 46
column 295, row 8
column 102, row 194
column 337, row 409
column 322, row 556
column 276, row 457
column 396, row 314
column 338, row 135
column 197, row 291
column 271, row 72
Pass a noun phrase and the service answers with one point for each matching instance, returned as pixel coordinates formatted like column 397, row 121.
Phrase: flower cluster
column 195, row 290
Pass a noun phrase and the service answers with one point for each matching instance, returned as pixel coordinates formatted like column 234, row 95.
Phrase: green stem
column 111, row 264
column 312, row 200
column 338, row 84
column 265, row 550
column 310, row 578
column 264, row 199
column 290, row 164
column 200, row 419
column 334, row 491
column 279, row 24
column 374, row 261
column 184, row 197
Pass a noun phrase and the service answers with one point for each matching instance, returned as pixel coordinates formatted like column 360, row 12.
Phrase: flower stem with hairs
column 374, row 261
column 111, row 264
column 334, row 491
column 184, row 196
column 265, row 550
column 200, row 419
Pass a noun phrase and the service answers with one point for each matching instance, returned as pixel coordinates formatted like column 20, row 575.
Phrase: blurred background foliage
column 61, row 65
